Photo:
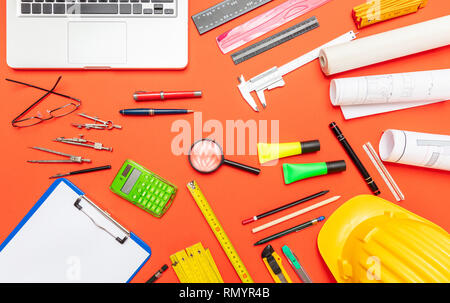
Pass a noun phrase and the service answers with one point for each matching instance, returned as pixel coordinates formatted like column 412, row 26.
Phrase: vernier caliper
column 273, row 78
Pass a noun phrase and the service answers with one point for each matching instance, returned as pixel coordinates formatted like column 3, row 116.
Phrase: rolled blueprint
column 386, row 46
column 363, row 96
column 419, row 149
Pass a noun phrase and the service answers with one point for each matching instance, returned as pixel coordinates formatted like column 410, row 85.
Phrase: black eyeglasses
column 61, row 111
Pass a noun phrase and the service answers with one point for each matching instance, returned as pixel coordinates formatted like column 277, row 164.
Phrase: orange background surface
column 302, row 107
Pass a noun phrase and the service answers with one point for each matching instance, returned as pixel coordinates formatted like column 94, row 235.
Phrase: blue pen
column 290, row 230
column 153, row 112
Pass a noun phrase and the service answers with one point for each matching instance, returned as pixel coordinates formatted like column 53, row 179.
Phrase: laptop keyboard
column 98, row 8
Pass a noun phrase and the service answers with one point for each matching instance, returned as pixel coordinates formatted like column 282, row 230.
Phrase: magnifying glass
column 206, row 156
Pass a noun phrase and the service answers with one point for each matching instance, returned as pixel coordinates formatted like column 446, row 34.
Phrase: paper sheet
column 59, row 243
column 363, row 96
column 386, row 46
column 418, row 149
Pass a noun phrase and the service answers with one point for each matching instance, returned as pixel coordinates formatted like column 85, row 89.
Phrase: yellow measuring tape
column 380, row 10
column 219, row 232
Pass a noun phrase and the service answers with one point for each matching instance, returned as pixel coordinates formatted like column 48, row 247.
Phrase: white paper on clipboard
column 58, row 242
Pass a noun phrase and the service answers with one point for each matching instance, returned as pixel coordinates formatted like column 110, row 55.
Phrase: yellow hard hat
column 369, row 239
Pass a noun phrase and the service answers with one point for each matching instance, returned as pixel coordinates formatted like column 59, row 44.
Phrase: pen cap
column 336, row 166
column 336, row 130
column 310, row 146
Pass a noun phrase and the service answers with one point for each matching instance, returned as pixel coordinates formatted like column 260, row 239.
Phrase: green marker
column 293, row 260
column 296, row 172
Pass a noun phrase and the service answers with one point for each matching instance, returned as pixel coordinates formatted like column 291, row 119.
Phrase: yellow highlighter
column 268, row 152
column 273, row 263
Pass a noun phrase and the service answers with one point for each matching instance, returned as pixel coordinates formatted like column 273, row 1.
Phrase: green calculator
column 144, row 188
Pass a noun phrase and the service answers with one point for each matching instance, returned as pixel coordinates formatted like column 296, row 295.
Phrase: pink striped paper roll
column 266, row 22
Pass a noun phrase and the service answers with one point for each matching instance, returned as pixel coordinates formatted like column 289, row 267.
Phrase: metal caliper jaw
column 266, row 81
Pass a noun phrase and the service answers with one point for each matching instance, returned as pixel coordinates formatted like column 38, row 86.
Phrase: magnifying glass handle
column 247, row 168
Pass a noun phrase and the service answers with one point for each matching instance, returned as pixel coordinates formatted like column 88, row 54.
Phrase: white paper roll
column 418, row 149
column 363, row 96
column 386, row 46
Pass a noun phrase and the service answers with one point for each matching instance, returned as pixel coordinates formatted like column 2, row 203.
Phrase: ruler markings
column 219, row 232
column 223, row 12
column 275, row 40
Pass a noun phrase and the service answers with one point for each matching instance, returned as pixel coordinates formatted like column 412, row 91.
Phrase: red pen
column 155, row 96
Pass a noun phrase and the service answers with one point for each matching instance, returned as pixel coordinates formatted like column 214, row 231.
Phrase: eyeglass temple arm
column 15, row 120
column 43, row 89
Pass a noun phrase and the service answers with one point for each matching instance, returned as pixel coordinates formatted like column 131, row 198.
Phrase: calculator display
column 126, row 171
column 132, row 179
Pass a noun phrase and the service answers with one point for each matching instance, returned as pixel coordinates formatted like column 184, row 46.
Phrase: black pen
column 351, row 153
column 281, row 208
column 154, row 112
column 83, row 171
column 158, row 274
column 290, row 230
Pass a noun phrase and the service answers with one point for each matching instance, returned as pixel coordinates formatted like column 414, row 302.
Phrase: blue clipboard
column 8, row 256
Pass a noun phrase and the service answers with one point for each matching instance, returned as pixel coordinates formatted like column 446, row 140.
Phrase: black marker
column 350, row 152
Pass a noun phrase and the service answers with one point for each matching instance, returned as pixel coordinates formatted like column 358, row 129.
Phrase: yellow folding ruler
column 375, row 11
column 195, row 265
column 274, row 265
column 219, row 232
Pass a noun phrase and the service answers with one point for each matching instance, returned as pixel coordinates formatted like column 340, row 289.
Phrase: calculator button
column 144, row 193
column 152, row 190
column 134, row 197
column 162, row 203
column 139, row 190
column 166, row 197
column 169, row 190
column 148, row 187
column 157, row 192
column 161, row 195
column 158, row 210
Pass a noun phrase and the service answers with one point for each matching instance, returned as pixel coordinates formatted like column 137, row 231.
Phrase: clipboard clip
column 79, row 207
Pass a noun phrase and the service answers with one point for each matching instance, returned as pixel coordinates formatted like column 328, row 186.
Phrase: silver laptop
column 97, row 34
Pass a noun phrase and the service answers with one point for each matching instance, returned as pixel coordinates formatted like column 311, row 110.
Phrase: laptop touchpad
column 97, row 43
